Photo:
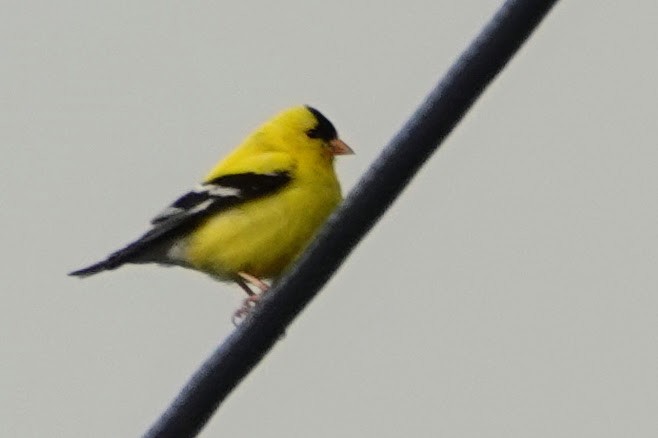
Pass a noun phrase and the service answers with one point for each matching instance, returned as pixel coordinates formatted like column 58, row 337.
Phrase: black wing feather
column 187, row 211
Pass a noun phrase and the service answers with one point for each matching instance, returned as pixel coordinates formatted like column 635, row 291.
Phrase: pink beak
column 339, row 147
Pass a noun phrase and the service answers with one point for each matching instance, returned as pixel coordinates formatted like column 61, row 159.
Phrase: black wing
column 188, row 210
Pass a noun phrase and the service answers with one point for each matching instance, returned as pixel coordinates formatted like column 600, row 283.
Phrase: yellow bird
column 254, row 213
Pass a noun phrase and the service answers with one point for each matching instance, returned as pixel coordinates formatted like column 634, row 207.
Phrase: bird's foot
column 247, row 306
column 244, row 280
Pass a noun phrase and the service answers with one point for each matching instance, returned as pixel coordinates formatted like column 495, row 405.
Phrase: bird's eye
column 323, row 129
column 313, row 133
column 322, row 132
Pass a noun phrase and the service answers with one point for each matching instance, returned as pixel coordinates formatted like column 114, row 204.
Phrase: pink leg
column 253, row 299
column 260, row 284
column 244, row 286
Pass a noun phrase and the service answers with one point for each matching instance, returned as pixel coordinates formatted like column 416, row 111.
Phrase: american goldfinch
column 254, row 212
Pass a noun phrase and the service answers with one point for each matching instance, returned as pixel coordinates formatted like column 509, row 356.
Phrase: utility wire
column 379, row 187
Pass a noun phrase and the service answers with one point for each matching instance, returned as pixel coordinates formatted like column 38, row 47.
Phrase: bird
column 255, row 211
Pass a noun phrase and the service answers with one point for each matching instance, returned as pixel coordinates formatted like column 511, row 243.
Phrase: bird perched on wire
column 254, row 212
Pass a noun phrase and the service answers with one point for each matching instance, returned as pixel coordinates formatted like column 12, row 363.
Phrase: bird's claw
column 248, row 305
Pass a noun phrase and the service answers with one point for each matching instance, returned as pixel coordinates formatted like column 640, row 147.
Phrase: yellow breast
column 262, row 237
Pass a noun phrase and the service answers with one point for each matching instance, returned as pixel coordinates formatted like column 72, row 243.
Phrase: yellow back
column 281, row 143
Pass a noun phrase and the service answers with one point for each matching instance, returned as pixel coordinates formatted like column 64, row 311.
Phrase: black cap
column 324, row 129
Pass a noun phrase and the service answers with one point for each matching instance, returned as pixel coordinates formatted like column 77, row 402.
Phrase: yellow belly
column 261, row 237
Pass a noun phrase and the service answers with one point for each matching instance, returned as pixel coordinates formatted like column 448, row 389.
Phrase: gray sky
column 510, row 292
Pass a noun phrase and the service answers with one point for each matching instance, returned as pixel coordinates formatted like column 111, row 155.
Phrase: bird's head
column 308, row 131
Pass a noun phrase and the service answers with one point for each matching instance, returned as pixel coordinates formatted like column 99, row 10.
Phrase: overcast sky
column 512, row 291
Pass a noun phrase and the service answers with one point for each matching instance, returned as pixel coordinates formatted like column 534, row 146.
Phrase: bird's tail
column 149, row 248
column 91, row 270
column 129, row 254
column 112, row 262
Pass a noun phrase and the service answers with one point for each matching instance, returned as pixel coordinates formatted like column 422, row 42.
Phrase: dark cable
column 380, row 186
